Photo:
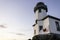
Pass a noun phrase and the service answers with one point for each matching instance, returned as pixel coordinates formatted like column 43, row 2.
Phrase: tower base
column 50, row 36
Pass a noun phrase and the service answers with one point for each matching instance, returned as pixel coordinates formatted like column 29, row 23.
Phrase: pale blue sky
column 18, row 15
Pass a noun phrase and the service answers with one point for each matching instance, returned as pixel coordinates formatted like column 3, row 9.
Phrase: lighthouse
column 45, row 24
column 40, row 11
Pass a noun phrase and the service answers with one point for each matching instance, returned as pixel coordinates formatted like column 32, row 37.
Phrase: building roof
column 49, row 16
column 39, row 6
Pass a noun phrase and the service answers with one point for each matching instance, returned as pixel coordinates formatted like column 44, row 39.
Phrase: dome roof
column 40, row 5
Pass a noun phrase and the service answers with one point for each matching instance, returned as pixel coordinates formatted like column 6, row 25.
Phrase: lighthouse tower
column 45, row 24
column 40, row 11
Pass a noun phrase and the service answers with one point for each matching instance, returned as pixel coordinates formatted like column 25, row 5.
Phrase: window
column 40, row 28
column 36, row 21
column 34, row 31
column 57, row 25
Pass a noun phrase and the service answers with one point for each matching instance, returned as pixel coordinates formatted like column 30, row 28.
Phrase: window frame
column 40, row 27
column 57, row 25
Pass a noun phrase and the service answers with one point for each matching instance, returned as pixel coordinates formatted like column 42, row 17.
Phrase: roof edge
column 51, row 17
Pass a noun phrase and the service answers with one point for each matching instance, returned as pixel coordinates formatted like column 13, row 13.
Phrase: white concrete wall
column 36, row 27
column 53, row 28
column 36, row 14
column 40, row 15
column 40, row 23
column 45, row 25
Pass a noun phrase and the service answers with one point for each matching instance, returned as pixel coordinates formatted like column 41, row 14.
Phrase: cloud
column 2, row 26
column 17, row 33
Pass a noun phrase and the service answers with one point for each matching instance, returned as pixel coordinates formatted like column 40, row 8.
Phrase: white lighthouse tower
column 45, row 24
column 40, row 11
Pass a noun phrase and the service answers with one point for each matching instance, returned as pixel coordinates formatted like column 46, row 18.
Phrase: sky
column 17, row 17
